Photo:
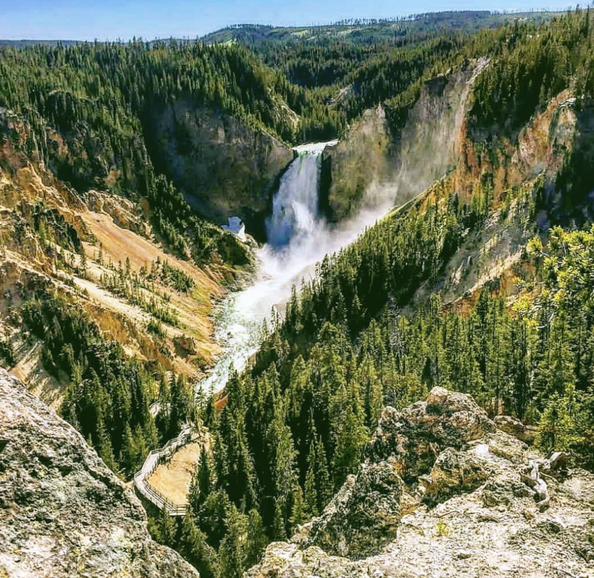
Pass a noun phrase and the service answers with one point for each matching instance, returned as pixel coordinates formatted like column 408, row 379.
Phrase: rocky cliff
column 444, row 491
column 377, row 163
column 223, row 166
column 62, row 511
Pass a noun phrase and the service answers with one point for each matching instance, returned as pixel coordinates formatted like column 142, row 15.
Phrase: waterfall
column 295, row 206
column 298, row 238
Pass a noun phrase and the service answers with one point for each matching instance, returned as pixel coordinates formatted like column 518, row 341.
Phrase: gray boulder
column 364, row 515
column 63, row 513
column 516, row 428
column 456, row 471
column 413, row 438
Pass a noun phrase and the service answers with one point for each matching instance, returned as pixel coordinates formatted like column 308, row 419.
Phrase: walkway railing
column 152, row 462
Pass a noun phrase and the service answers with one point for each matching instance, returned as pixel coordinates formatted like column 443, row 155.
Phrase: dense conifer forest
column 353, row 340
column 350, row 343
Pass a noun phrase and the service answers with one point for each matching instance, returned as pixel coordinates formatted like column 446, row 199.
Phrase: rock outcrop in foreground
column 62, row 511
column 445, row 493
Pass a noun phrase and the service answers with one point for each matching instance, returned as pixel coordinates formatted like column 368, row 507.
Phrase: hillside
column 101, row 252
column 371, row 31
column 466, row 309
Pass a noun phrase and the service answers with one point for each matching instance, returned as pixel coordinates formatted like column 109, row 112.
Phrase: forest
column 352, row 340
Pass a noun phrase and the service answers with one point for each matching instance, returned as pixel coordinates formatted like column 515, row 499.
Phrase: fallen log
column 532, row 476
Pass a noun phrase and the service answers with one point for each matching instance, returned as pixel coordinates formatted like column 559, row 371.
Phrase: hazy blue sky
column 112, row 19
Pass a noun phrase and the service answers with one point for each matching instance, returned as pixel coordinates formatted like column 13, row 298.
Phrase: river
column 298, row 237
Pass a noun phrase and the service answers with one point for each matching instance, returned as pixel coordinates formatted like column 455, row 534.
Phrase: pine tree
column 556, row 428
column 242, row 486
column 318, row 487
column 279, row 529
column 372, row 389
column 257, row 538
column 167, row 528
column 311, row 498
column 104, row 447
column 83, row 262
column 283, row 456
column 233, row 550
column 297, row 512
column 181, row 405
column 195, row 548
column 129, row 453
column 203, row 483
column 352, row 437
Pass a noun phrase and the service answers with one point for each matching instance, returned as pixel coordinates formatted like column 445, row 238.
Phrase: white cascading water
column 297, row 239
column 295, row 205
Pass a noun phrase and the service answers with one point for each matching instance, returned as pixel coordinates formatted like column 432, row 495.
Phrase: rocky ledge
column 62, row 511
column 445, row 492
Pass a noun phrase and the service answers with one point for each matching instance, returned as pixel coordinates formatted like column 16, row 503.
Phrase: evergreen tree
column 195, row 549
column 352, row 437
column 233, row 552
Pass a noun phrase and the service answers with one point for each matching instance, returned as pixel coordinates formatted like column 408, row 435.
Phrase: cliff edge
column 445, row 492
column 62, row 511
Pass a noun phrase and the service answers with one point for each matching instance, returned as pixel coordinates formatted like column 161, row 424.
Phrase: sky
column 150, row 19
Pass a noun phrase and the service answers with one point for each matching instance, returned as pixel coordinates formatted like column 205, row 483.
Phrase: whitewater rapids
column 298, row 238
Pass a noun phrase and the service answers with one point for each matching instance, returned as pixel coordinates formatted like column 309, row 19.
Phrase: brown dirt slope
column 152, row 321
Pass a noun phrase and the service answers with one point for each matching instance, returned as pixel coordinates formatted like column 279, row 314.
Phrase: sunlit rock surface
column 442, row 495
column 378, row 162
column 222, row 165
column 63, row 513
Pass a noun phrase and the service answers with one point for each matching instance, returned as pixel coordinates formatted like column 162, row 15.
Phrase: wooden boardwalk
column 151, row 463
